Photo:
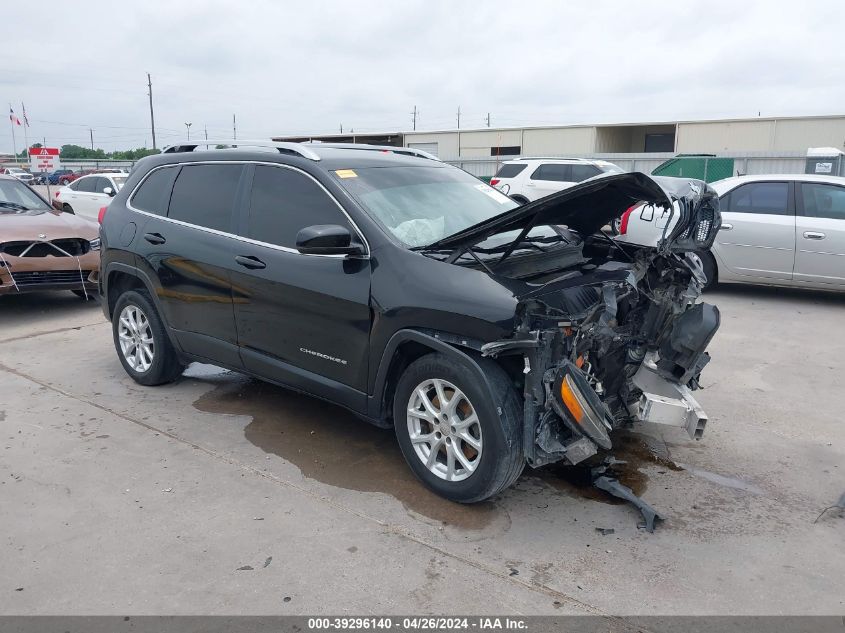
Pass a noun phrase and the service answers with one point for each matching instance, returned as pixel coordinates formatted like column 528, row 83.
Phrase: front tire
column 142, row 345
column 461, row 438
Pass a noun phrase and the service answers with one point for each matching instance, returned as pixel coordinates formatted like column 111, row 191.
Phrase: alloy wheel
column 136, row 338
column 444, row 429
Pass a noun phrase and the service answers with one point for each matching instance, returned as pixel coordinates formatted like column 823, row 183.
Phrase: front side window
column 553, row 172
column 101, row 184
column 421, row 205
column 283, row 202
column 823, row 201
column 204, row 195
column 153, row 195
column 761, row 197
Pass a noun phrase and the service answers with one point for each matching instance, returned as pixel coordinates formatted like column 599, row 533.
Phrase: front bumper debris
column 667, row 402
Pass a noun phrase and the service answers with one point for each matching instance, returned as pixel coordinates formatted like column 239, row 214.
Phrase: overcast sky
column 308, row 67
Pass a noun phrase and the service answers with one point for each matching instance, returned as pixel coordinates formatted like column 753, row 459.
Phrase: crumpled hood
column 17, row 227
column 590, row 205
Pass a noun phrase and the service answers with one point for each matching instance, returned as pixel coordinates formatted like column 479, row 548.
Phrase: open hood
column 592, row 204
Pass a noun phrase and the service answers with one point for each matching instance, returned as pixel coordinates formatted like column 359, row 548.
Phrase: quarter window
column 823, row 201
column 510, row 170
column 153, row 195
column 761, row 197
column 283, row 202
column 204, row 195
column 582, row 172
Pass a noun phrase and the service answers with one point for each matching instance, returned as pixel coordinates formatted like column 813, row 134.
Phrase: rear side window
column 153, row 195
column 204, row 195
column 284, row 201
column 823, row 201
column 761, row 197
column 554, row 172
column 510, row 171
column 582, row 172
column 86, row 185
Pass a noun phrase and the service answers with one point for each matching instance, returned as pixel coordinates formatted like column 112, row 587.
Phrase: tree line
column 77, row 152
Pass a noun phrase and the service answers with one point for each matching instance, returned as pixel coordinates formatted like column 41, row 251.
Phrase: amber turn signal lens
column 570, row 400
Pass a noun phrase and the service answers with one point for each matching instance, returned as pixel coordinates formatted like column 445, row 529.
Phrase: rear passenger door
column 187, row 246
column 757, row 238
column 820, row 234
column 303, row 320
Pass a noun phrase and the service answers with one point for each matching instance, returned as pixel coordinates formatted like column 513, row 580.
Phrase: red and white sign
column 44, row 159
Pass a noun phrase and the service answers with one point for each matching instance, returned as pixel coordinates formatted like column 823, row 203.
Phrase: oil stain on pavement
column 329, row 444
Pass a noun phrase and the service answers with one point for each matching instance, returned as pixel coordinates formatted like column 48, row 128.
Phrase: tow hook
column 603, row 479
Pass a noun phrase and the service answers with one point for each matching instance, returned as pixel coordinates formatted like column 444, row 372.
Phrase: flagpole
column 14, row 143
column 25, row 125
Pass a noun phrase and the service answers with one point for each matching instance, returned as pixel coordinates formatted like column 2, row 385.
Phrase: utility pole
column 341, row 128
column 188, row 125
column 91, row 132
column 234, row 128
column 152, row 116
column 414, row 116
column 206, row 132
column 459, row 117
column 488, row 119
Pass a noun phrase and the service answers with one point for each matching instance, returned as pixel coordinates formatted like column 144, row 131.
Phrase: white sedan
column 85, row 196
column 780, row 230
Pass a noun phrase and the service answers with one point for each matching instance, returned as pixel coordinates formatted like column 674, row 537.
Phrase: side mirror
column 327, row 239
column 109, row 191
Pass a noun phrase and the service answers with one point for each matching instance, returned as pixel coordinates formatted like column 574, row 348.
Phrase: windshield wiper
column 12, row 205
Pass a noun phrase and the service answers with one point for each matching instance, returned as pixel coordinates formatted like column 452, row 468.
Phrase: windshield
column 421, row 205
column 16, row 170
column 15, row 197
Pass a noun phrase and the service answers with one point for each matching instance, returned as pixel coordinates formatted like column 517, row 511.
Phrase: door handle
column 727, row 227
column 248, row 261
column 814, row 235
column 154, row 238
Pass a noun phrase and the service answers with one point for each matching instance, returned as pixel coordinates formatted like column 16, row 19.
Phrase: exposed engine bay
column 609, row 336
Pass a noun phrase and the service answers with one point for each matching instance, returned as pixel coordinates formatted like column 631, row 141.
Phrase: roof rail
column 585, row 160
column 406, row 151
column 284, row 148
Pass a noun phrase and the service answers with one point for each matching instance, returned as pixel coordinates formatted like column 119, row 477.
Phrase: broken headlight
column 576, row 403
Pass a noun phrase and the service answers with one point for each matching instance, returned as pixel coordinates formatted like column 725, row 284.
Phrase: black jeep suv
column 487, row 334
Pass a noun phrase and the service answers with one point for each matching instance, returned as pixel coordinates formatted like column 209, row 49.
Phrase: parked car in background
column 88, row 194
column 528, row 179
column 783, row 230
column 18, row 173
column 41, row 249
column 61, row 177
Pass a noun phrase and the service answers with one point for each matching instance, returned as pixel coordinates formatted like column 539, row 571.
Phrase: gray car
column 777, row 229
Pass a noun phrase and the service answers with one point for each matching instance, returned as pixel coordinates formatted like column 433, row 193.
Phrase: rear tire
column 142, row 344
column 474, row 431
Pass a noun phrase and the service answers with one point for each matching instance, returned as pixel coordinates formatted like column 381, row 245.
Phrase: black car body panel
column 343, row 327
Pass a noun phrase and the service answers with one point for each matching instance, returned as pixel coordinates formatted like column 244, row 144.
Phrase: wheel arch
column 403, row 348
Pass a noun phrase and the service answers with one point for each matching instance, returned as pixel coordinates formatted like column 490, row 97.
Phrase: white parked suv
column 777, row 229
column 85, row 196
column 528, row 179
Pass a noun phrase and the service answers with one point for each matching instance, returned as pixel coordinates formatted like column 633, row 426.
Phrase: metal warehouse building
column 775, row 145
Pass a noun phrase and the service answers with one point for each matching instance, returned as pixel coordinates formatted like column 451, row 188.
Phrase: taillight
column 623, row 225
column 57, row 193
column 495, row 181
column 101, row 214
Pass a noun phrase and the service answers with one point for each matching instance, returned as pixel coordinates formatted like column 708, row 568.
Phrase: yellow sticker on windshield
column 346, row 173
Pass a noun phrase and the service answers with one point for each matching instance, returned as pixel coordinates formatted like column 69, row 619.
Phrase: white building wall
column 722, row 136
column 559, row 141
column 447, row 142
column 799, row 134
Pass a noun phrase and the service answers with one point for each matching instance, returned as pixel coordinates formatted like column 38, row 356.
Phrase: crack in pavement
column 58, row 331
column 387, row 527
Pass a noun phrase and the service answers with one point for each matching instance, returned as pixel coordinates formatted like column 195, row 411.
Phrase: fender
column 148, row 285
column 379, row 406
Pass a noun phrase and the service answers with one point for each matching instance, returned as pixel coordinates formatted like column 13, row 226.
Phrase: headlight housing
column 575, row 401
column 95, row 244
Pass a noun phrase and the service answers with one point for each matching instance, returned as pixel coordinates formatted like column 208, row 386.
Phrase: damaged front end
column 621, row 338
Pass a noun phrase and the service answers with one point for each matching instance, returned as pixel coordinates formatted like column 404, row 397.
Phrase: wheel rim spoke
column 135, row 338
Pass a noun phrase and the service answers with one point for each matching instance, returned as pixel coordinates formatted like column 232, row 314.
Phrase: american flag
column 23, row 111
column 14, row 119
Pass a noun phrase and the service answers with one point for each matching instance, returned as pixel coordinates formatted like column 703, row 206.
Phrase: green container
column 699, row 166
